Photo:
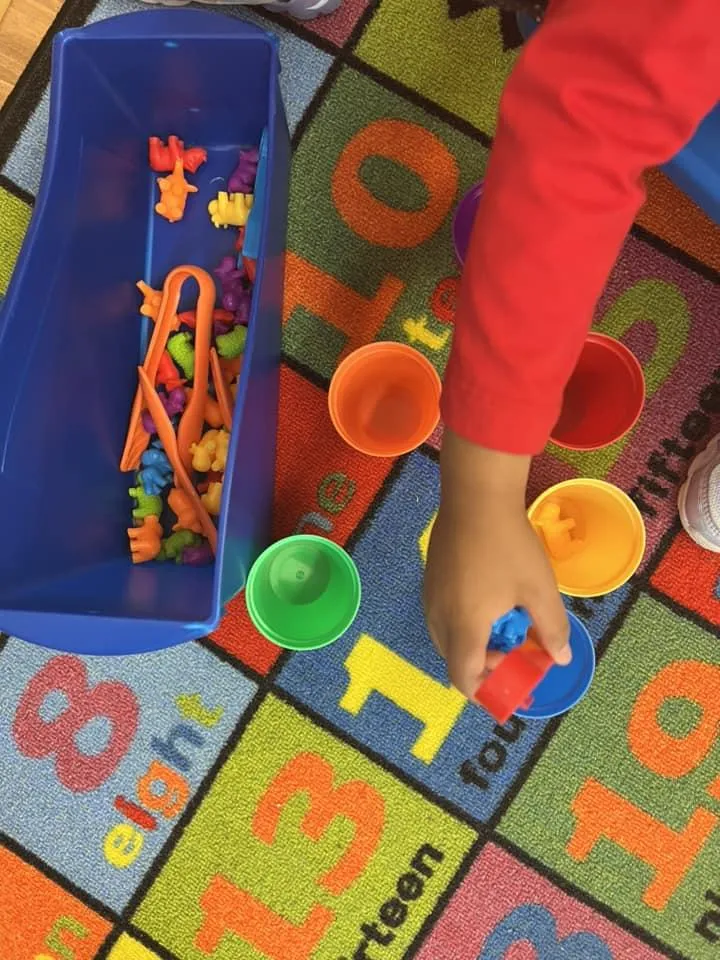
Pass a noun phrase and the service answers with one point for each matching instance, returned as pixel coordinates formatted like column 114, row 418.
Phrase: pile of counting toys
column 181, row 418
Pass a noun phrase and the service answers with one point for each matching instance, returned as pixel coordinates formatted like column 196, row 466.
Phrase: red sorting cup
column 603, row 398
column 384, row 399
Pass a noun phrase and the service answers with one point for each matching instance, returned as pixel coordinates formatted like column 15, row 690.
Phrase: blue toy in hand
column 510, row 630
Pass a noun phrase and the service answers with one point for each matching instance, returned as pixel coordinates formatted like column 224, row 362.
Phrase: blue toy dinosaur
column 156, row 472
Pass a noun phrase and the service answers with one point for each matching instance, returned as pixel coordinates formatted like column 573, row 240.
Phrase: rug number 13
column 229, row 910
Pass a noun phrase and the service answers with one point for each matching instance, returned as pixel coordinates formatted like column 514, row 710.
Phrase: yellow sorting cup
column 593, row 534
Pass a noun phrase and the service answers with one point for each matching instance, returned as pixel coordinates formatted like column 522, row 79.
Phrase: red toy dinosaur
column 163, row 158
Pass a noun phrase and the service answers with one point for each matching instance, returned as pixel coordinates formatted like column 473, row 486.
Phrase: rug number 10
column 601, row 813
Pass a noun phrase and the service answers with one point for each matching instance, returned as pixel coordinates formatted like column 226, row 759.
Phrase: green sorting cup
column 303, row 592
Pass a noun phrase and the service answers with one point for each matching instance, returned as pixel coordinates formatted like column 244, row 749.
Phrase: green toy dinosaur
column 182, row 351
column 148, row 505
column 173, row 546
column 232, row 344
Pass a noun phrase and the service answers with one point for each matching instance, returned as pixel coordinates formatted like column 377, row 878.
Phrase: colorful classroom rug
column 347, row 804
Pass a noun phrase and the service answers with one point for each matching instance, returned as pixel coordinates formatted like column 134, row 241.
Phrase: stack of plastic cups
column 384, row 399
column 593, row 533
column 594, row 537
column 303, row 592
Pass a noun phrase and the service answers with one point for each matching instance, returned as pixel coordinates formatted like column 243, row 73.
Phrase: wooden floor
column 23, row 23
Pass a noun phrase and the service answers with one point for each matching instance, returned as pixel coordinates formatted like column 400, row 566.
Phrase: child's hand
column 484, row 559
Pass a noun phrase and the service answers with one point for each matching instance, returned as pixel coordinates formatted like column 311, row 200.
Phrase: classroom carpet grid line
column 343, row 804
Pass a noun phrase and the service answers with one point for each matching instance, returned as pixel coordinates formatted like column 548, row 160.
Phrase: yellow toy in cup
column 593, row 534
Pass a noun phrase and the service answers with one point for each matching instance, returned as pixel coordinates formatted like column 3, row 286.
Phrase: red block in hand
column 511, row 683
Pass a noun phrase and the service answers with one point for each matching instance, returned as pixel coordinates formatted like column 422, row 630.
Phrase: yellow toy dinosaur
column 211, row 499
column 210, row 453
column 230, row 209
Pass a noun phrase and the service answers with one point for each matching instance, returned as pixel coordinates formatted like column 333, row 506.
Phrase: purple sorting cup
column 464, row 219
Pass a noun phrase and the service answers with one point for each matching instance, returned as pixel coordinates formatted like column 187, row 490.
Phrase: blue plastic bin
column 71, row 335
column 696, row 169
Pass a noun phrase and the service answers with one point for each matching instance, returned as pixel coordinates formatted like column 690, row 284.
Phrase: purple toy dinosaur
column 198, row 556
column 174, row 404
column 243, row 177
column 235, row 295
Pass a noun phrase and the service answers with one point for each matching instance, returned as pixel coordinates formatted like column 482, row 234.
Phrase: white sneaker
column 699, row 498
column 300, row 9
column 304, row 9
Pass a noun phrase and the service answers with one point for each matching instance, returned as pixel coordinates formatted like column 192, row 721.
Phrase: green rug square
column 15, row 217
column 375, row 183
column 624, row 802
column 303, row 848
column 460, row 64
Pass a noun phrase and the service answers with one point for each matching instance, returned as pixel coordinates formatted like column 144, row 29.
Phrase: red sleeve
column 605, row 89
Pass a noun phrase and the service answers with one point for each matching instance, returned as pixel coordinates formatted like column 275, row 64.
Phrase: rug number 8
column 38, row 738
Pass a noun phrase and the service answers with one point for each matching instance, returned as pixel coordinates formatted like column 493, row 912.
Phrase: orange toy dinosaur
column 145, row 540
column 183, row 509
column 174, row 190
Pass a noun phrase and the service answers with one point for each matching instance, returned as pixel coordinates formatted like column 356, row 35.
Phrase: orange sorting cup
column 384, row 399
column 593, row 534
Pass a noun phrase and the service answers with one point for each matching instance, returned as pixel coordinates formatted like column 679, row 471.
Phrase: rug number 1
column 374, row 668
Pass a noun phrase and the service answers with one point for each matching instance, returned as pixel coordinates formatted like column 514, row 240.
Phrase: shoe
column 304, row 9
column 699, row 498
column 299, row 9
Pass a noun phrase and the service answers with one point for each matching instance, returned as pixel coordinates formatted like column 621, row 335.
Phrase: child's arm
column 604, row 90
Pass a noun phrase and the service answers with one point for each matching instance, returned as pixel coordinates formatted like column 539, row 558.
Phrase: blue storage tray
column 71, row 335
column 696, row 169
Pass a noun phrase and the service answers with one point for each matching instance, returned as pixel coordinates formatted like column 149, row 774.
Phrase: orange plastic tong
column 222, row 391
column 138, row 438
column 191, row 423
column 170, row 444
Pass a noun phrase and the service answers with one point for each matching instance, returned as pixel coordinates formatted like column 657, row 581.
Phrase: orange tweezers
column 222, row 391
column 169, row 441
column 190, row 428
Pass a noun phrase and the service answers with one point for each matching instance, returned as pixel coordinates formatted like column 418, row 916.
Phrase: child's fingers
column 467, row 659
column 492, row 659
column 551, row 623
